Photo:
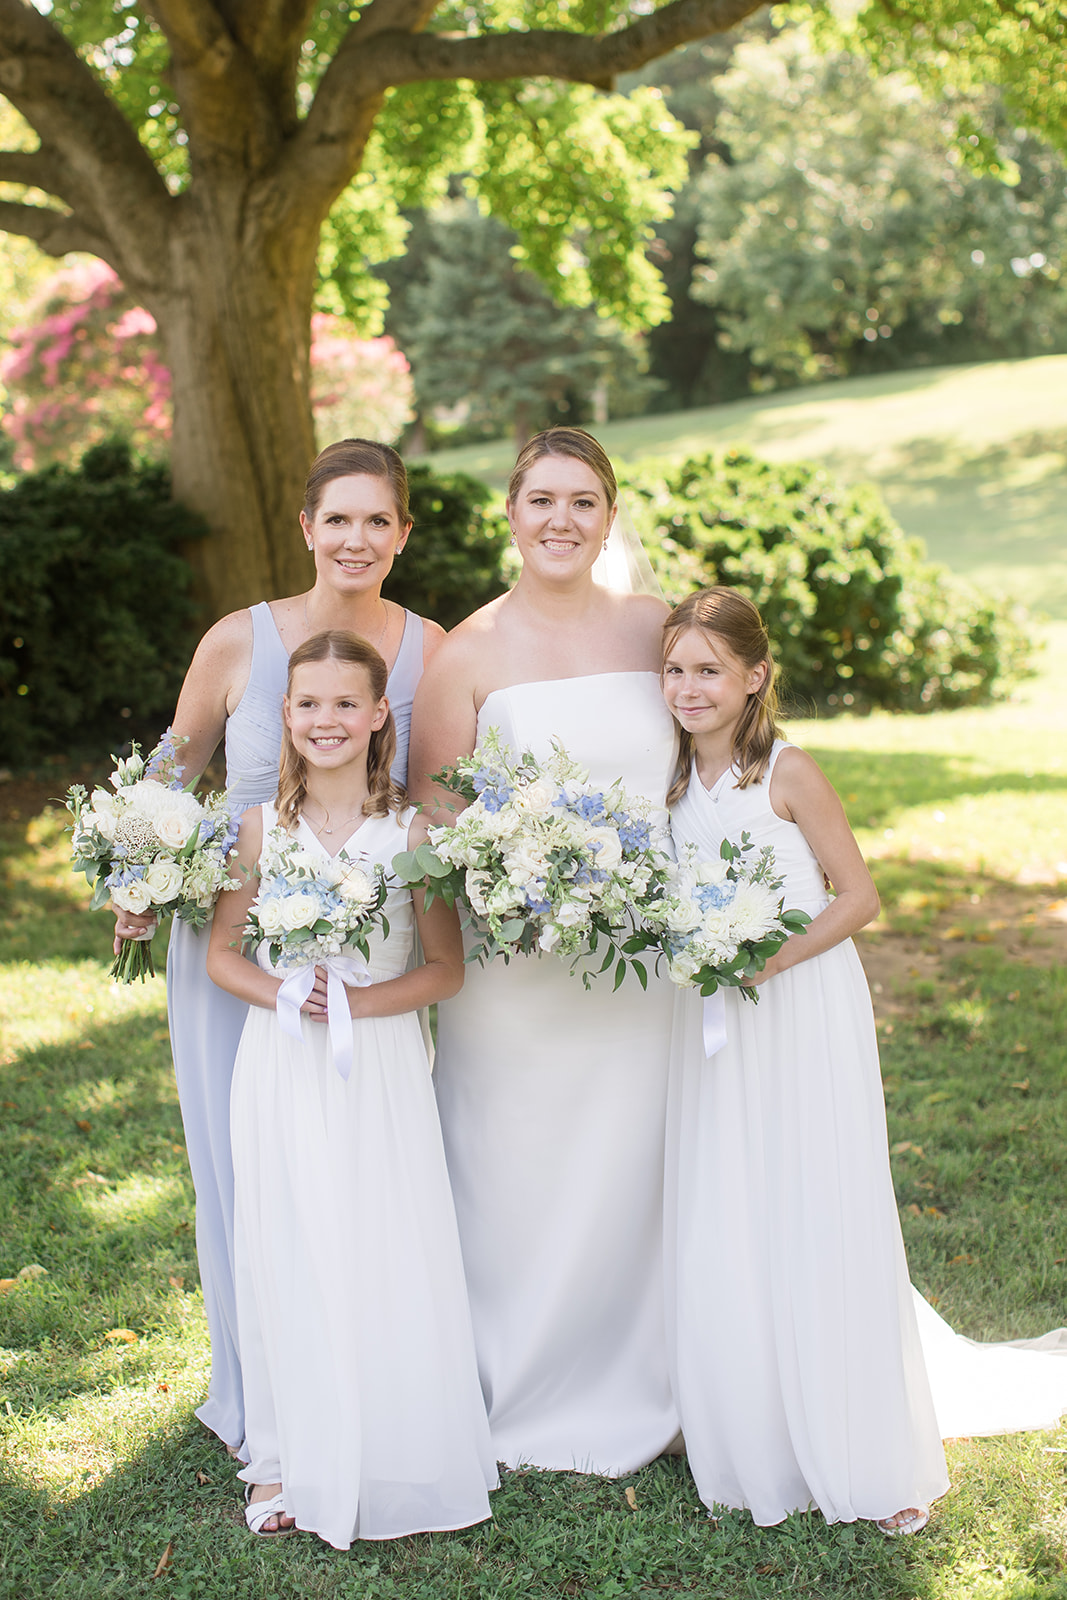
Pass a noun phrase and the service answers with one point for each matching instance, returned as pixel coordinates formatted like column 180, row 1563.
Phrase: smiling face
column 331, row 712
column 355, row 532
column 560, row 517
column 705, row 685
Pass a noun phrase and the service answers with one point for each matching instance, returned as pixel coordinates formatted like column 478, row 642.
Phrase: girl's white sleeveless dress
column 796, row 1358
column 552, row 1103
column 361, row 1386
column 206, row 1022
column 807, row 1370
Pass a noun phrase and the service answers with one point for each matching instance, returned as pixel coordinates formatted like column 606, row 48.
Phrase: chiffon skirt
column 361, row 1387
column 797, row 1362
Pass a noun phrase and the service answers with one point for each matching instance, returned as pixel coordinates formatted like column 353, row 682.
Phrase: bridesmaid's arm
column 801, row 793
column 444, row 725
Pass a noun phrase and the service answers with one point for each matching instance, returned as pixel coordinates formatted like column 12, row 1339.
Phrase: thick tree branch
column 395, row 57
column 54, row 231
column 37, row 169
column 382, row 16
column 195, row 32
column 107, row 171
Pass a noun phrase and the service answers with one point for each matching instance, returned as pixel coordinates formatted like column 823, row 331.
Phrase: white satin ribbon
column 340, row 970
column 714, row 1022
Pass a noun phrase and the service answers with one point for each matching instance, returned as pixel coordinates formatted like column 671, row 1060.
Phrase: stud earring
column 311, row 547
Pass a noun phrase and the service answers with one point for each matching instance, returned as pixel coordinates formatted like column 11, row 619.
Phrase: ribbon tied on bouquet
column 340, row 970
column 714, row 1023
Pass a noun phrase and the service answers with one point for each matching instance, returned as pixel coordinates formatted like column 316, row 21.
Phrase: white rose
column 135, row 896
column 270, row 917
column 525, row 861
column 535, row 799
column 684, row 916
column 299, row 911
column 712, row 872
column 504, row 824
column 164, row 878
column 683, row 968
column 104, row 815
column 608, row 848
column 716, row 925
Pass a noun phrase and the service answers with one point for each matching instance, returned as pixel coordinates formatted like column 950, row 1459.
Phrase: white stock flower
column 164, row 879
column 572, row 913
column 300, row 910
column 550, row 935
column 135, row 896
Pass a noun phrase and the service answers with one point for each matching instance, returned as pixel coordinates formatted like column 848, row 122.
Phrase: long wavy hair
column 384, row 794
column 732, row 619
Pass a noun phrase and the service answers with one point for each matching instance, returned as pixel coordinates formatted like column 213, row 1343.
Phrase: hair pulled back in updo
column 731, row 618
column 573, row 442
column 349, row 458
column 384, row 794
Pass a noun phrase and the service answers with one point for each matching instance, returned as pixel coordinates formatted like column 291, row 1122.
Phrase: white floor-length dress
column 360, row 1383
column 552, row 1103
column 797, row 1362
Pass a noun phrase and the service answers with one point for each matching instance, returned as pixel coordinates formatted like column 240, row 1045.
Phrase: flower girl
column 796, row 1359
column 365, row 1417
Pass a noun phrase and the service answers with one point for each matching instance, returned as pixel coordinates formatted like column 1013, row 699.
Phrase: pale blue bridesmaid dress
column 206, row 1022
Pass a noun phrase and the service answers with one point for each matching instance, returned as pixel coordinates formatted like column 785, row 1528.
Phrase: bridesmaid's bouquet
column 721, row 921
column 544, row 860
column 147, row 844
column 312, row 907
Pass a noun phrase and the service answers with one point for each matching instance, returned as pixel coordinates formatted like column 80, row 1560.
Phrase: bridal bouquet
column 147, row 844
column 311, row 908
column 543, row 859
column 723, row 920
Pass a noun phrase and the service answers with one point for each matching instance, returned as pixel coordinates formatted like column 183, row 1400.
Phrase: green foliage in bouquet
column 452, row 563
column 95, row 607
column 857, row 615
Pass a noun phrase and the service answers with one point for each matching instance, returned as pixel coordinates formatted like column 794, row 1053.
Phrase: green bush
column 96, row 619
column 858, row 617
column 451, row 563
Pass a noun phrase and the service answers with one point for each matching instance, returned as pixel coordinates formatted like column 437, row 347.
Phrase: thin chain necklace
column 378, row 640
column 327, row 827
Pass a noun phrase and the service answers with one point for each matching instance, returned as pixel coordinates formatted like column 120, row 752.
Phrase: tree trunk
column 235, row 322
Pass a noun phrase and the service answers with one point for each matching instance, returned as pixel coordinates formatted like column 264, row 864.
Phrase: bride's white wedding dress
column 552, row 1101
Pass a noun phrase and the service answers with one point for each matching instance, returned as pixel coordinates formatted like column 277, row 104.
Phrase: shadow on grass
column 93, row 1186
column 552, row 1535
column 876, row 786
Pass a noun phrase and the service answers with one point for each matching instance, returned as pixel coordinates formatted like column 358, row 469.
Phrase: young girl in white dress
column 364, row 1413
column 796, row 1360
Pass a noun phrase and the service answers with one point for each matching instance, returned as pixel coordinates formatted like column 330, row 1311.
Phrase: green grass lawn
column 103, row 1469
column 972, row 459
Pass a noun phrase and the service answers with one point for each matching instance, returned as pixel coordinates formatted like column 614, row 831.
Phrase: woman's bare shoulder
column 228, row 641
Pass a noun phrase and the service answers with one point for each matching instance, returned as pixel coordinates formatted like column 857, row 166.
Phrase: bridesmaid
column 552, row 1097
column 356, row 523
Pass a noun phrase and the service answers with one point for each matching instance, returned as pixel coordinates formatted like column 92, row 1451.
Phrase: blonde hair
column 385, row 795
column 573, row 442
column 731, row 617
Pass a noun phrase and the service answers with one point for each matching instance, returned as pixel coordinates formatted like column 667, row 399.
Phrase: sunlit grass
column 104, row 1357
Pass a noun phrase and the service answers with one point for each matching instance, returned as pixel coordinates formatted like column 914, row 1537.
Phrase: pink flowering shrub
column 91, row 367
column 359, row 387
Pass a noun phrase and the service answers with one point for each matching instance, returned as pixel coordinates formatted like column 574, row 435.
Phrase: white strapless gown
column 552, row 1102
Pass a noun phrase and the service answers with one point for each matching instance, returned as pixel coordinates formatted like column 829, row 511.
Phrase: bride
column 552, row 1097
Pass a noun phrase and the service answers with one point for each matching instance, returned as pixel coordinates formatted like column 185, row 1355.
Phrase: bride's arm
column 444, row 724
